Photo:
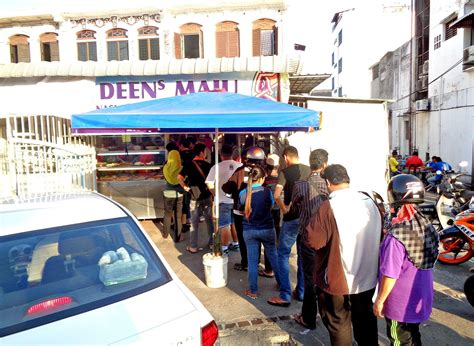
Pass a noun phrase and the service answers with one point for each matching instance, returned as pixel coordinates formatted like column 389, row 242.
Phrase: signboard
column 119, row 90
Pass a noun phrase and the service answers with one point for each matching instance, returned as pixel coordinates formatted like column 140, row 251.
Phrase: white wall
column 356, row 136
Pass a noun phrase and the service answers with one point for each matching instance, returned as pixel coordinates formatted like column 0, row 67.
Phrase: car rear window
column 50, row 274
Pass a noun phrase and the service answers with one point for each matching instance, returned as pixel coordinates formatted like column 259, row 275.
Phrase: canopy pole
column 216, row 236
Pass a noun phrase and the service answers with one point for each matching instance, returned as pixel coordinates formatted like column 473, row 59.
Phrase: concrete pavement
column 243, row 321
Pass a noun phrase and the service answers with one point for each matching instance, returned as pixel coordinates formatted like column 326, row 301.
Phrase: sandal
column 298, row 318
column 263, row 273
column 239, row 267
column 251, row 295
column 180, row 238
column 277, row 301
column 191, row 249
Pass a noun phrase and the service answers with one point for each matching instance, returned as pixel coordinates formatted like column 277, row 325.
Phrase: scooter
column 452, row 199
column 457, row 241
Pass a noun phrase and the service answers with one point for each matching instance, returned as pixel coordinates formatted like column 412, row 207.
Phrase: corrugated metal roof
column 277, row 64
column 303, row 84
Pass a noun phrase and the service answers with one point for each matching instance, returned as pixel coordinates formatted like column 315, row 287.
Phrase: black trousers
column 240, row 235
column 309, row 309
column 401, row 333
column 339, row 312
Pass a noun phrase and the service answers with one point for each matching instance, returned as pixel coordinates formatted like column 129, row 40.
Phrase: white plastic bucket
column 215, row 270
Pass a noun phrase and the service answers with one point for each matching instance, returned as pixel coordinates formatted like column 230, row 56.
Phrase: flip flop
column 298, row 318
column 251, row 295
column 239, row 267
column 277, row 301
column 263, row 273
column 191, row 250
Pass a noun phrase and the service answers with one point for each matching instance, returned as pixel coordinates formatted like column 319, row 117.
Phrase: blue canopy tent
column 217, row 112
column 198, row 112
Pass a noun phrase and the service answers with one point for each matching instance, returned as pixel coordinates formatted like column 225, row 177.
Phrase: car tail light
column 48, row 305
column 209, row 334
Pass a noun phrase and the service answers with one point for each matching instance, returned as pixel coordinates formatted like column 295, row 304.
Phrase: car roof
column 41, row 212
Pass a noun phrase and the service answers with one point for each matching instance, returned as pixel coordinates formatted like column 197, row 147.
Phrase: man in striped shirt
column 307, row 196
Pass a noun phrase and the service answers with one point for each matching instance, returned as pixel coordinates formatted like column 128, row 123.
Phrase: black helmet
column 405, row 189
column 255, row 154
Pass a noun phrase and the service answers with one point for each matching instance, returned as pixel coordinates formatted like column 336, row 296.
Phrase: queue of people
column 346, row 252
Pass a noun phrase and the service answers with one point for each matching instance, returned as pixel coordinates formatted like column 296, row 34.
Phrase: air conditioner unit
column 468, row 55
column 422, row 105
column 425, row 67
column 424, row 82
column 419, row 85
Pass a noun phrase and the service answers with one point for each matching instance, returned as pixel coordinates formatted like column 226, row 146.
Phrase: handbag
column 195, row 190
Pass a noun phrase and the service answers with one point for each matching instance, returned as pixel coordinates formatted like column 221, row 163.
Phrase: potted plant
column 215, row 263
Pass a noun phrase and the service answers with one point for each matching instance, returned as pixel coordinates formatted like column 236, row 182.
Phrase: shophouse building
column 433, row 89
column 361, row 35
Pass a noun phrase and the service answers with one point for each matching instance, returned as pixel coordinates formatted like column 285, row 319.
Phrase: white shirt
column 226, row 169
column 359, row 224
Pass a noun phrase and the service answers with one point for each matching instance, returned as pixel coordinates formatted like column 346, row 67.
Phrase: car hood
column 167, row 314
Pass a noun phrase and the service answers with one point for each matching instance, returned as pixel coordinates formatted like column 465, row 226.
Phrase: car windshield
column 50, row 274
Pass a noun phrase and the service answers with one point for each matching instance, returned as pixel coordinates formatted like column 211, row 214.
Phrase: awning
column 198, row 112
column 304, row 84
column 276, row 64
column 466, row 21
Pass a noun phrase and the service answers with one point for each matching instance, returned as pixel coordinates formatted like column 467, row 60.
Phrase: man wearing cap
column 226, row 168
column 345, row 233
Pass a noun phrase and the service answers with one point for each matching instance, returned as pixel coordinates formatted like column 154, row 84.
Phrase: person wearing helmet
column 236, row 183
column 407, row 256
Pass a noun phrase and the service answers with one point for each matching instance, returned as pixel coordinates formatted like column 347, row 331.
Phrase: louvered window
column 188, row 43
column 19, row 49
column 49, row 47
column 265, row 37
column 227, row 40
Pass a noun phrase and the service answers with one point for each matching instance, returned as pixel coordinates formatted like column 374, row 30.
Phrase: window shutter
column 54, row 46
column 256, row 42
column 233, row 44
column 221, row 44
column 177, row 46
column 201, row 44
column 275, row 40
column 23, row 52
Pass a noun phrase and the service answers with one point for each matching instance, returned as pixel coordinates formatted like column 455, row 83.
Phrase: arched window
column 117, row 44
column 49, row 46
column 264, row 37
column 188, row 42
column 148, row 43
column 86, row 46
column 19, row 49
column 227, row 40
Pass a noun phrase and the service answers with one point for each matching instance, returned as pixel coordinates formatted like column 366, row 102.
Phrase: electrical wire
column 434, row 80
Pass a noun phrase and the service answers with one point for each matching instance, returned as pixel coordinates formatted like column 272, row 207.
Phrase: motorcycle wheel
column 454, row 249
column 469, row 289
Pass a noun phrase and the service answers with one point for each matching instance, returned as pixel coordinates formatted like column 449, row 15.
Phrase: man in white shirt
column 226, row 168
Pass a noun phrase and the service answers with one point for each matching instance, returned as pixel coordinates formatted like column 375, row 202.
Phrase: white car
column 80, row 269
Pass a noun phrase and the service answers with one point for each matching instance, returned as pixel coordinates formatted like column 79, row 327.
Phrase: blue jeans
column 253, row 239
column 288, row 234
column 198, row 209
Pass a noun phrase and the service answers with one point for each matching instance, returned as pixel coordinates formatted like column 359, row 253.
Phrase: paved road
column 254, row 322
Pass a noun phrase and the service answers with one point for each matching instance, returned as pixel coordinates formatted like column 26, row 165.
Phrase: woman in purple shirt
column 407, row 257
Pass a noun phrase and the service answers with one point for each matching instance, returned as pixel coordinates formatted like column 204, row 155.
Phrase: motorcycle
column 457, row 241
column 452, row 199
